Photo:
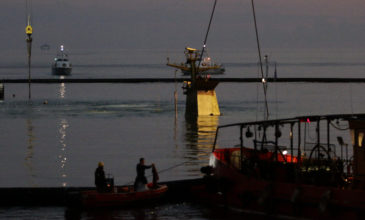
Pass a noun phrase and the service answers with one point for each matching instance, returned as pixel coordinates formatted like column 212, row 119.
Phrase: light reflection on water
column 62, row 134
column 63, row 150
column 30, row 151
column 67, row 136
column 61, row 142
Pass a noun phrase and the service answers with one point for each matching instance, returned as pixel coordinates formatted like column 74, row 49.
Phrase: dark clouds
column 148, row 24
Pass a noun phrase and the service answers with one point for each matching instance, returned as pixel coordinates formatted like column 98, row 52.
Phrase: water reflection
column 62, row 127
column 30, row 150
column 62, row 156
column 200, row 133
column 62, row 90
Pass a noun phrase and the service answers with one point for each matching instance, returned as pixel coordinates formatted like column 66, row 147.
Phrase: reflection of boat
column 263, row 172
column 121, row 196
column 61, row 64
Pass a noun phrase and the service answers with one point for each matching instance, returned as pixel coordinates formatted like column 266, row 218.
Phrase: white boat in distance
column 61, row 64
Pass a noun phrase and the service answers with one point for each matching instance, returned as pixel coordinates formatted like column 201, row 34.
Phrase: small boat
column 275, row 168
column 122, row 196
column 61, row 65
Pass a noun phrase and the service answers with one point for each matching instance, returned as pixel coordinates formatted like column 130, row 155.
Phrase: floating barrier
column 172, row 80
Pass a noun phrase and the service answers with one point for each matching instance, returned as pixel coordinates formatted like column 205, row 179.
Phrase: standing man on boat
column 100, row 180
column 141, row 180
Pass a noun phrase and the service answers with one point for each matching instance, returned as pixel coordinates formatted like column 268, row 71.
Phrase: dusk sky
column 174, row 24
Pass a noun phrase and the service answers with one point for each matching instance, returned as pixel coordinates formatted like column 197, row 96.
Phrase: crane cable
column 260, row 59
column 166, row 169
column 206, row 35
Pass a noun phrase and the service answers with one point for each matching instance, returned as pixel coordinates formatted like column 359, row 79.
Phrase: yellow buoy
column 28, row 30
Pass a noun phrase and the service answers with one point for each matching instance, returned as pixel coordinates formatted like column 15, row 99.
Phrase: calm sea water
column 58, row 137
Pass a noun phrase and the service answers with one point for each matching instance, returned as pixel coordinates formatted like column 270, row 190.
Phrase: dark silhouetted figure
column 141, row 180
column 155, row 176
column 100, row 180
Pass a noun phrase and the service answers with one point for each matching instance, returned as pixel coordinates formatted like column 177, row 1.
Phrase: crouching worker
column 100, row 180
column 141, row 180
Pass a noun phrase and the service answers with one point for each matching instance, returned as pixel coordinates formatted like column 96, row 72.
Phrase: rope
column 173, row 167
column 206, row 35
column 164, row 170
column 262, row 71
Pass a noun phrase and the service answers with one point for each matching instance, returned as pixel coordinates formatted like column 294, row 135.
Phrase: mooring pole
column 29, row 31
column 175, row 96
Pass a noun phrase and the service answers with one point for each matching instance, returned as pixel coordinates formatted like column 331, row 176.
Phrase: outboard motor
column 207, row 170
column 109, row 183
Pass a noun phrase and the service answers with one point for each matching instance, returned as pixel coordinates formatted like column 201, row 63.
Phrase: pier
column 172, row 80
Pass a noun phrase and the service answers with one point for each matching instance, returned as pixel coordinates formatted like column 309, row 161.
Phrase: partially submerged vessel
column 271, row 167
column 61, row 64
column 206, row 66
column 201, row 98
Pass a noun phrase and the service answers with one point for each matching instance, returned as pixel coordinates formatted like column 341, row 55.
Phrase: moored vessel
column 272, row 167
column 61, row 64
